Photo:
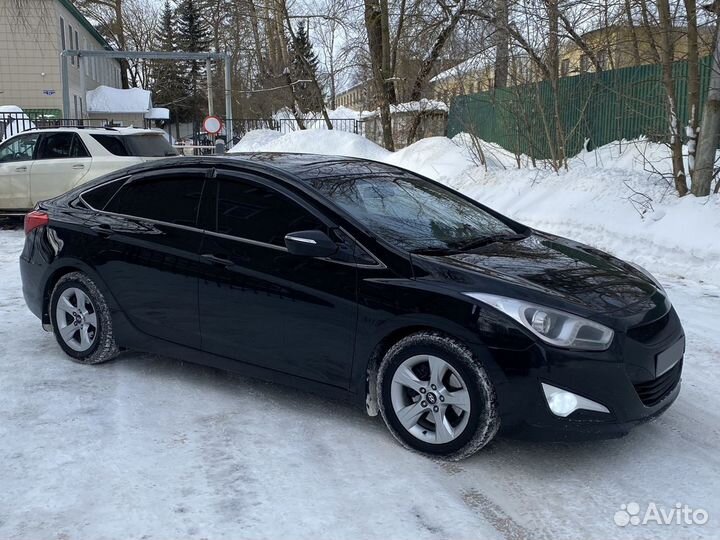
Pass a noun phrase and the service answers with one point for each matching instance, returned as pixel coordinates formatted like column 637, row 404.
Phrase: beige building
column 32, row 35
column 356, row 97
column 614, row 47
column 621, row 46
column 477, row 74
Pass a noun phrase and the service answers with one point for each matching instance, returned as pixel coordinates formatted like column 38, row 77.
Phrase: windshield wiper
column 490, row 239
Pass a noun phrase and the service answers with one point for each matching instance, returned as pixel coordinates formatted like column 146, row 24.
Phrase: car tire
column 428, row 376
column 81, row 320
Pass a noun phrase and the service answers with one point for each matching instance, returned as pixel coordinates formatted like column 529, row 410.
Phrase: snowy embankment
column 617, row 198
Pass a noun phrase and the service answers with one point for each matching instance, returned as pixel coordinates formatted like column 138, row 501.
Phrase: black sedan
column 356, row 279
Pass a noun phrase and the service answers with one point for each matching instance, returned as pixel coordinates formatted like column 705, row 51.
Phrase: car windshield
column 413, row 213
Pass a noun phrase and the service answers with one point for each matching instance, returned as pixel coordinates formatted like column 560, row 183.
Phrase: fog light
column 563, row 403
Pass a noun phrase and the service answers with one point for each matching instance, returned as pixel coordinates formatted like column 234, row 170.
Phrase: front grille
column 647, row 332
column 652, row 392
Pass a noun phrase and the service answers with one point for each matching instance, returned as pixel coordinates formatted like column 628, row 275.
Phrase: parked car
column 40, row 164
column 357, row 279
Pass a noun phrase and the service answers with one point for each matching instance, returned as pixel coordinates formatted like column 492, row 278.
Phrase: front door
column 61, row 162
column 16, row 157
column 261, row 305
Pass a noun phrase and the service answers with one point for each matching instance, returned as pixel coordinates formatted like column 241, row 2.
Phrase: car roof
column 299, row 168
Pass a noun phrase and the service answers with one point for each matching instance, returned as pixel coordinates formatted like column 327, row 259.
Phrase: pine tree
column 167, row 92
column 304, row 67
column 192, row 36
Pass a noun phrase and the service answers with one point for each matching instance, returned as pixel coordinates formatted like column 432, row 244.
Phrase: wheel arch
column 62, row 269
column 402, row 330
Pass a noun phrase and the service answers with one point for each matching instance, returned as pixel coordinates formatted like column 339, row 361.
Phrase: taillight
column 35, row 219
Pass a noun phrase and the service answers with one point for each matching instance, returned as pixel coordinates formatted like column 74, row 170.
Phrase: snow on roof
column 474, row 63
column 158, row 113
column 105, row 99
column 424, row 105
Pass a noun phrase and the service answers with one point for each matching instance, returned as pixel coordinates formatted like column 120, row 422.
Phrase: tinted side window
column 112, row 143
column 61, row 145
column 173, row 198
column 19, row 148
column 247, row 210
column 55, row 145
column 98, row 197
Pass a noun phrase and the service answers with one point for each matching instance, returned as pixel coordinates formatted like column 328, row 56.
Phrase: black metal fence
column 287, row 125
column 12, row 123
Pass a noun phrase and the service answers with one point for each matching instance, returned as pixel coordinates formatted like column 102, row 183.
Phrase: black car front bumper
column 637, row 379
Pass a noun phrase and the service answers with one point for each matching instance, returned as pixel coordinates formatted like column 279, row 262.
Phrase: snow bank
column 255, row 140
column 333, row 142
column 617, row 198
column 435, row 157
column 116, row 100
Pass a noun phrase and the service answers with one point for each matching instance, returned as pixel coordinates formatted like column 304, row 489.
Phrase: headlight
column 550, row 325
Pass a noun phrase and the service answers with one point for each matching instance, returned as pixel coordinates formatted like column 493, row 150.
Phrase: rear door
column 145, row 247
column 261, row 305
column 61, row 162
column 16, row 155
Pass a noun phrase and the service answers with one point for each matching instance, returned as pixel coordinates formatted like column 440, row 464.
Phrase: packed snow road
column 148, row 447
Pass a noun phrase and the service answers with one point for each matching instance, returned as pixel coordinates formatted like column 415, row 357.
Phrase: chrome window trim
column 153, row 221
column 245, row 240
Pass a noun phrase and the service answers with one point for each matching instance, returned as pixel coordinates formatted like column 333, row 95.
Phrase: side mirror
column 310, row 244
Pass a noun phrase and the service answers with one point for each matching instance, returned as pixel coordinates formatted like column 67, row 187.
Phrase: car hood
column 550, row 270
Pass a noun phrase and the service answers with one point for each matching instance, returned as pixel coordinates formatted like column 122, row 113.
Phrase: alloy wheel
column 76, row 319
column 430, row 399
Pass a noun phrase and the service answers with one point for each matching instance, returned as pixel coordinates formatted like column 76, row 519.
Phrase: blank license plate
column 668, row 358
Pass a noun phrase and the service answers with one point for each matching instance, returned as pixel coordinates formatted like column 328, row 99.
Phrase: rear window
column 139, row 145
column 98, row 197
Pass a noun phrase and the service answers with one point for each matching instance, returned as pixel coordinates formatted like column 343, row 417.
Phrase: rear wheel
column 81, row 320
column 435, row 396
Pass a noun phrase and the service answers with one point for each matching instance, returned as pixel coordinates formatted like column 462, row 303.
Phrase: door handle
column 79, row 166
column 20, row 169
column 217, row 260
column 102, row 230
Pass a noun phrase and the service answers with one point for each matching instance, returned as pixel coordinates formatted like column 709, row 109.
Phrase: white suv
column 40, row 164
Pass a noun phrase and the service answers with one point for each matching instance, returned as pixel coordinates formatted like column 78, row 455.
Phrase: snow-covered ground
column 152, row 447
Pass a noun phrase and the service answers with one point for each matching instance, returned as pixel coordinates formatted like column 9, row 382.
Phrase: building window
column 602, row 58
column 77, row 46
column 81, row 107
column 565, row 67
column 70, row 34
column 75, row 103
column 86, row 60
column 584, row 63
column 62, row 33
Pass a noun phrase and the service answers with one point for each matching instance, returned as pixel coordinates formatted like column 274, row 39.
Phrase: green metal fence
column 601, row 107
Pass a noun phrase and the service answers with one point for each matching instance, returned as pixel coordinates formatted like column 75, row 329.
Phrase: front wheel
column 436, row 397
column 81, row 320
